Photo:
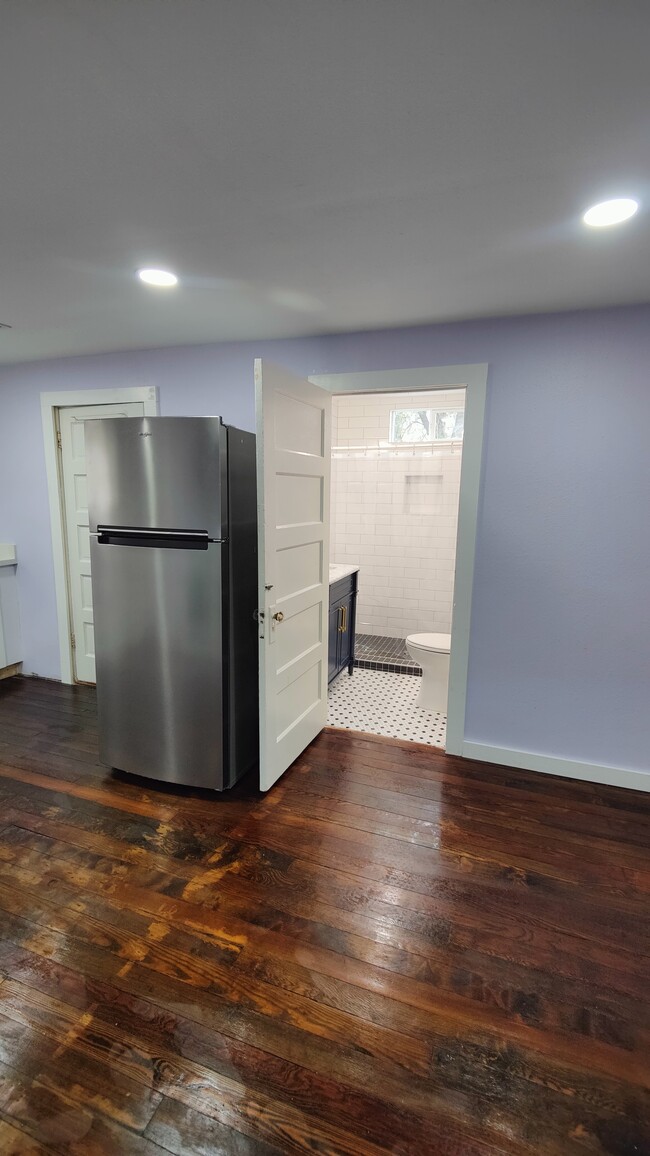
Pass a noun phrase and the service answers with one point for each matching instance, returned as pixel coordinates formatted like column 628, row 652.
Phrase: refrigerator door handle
column 143, row 536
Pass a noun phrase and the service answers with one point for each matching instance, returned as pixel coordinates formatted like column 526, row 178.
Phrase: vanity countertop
column 8, row 554
column 340, row 570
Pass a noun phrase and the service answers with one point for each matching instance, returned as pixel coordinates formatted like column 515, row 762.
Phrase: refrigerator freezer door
column 158, row 631
column 167, row 472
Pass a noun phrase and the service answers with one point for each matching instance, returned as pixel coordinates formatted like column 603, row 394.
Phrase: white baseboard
column 549, row 765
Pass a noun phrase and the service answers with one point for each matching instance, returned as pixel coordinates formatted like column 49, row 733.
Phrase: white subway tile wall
column 394, row 512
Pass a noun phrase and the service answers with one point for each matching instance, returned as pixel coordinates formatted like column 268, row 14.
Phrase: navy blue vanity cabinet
column 343, row 600
column 333, row 643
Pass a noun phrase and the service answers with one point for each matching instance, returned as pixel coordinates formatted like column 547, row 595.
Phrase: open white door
column 293, row 496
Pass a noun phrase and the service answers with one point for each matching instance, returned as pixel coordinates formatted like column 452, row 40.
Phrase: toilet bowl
column 431, row 652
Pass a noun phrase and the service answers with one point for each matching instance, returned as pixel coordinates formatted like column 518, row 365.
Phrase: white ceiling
column 311, row 166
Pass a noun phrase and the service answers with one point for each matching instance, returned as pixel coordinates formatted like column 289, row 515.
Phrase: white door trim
column 474, row 379
column 51, row 403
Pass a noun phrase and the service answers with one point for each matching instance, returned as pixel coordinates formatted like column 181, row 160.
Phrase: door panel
column 298, row 568
column 294, row 703
column 299, row 501
column 159, row 641
column 301, row 634
column 293, row 447
column 140, row 474
column 298, row 425
column 72, row 428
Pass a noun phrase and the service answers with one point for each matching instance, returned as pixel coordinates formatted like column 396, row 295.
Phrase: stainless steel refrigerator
column 172, row 506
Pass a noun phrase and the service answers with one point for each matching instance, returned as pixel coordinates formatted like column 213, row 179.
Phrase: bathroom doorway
column 426, row 405
column 395, row 485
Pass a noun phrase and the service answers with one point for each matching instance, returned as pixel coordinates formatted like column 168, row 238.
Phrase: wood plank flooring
column 394, row 951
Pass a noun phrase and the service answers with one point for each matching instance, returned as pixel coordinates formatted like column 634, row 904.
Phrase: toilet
column 431, row 652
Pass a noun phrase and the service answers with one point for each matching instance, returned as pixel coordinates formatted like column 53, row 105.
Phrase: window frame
column 432, row 411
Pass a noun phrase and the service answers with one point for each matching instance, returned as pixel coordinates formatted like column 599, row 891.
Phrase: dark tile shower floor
column 375, row 652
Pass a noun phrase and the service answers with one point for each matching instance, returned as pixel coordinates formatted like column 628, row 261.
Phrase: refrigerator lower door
column 158, row 634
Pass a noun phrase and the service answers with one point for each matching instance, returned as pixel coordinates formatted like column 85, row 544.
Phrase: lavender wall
column 561, row 625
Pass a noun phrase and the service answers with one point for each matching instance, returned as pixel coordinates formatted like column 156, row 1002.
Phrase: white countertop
column 7, row 554
column 341, row 570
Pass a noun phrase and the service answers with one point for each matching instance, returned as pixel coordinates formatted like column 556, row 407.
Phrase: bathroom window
column 410, row 426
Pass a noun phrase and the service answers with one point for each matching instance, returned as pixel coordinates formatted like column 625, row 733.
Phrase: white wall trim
column 474, row 379
column 551, row 765
column 50, row 404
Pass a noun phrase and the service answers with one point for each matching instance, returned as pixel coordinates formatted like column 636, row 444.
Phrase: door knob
column 279, row 617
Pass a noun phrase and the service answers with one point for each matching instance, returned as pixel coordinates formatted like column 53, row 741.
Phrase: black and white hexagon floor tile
column 383, row 703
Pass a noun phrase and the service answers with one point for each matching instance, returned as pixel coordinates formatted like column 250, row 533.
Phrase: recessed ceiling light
column 610, row 212
column 163, row 278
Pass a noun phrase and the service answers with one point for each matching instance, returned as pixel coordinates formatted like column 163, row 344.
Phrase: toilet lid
column 441, row 642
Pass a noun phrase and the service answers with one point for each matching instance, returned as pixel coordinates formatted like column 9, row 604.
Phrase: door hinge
column 73, row 641
column 58, row 440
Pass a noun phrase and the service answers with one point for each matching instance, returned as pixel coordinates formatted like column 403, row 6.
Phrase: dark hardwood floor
column 394, row 951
